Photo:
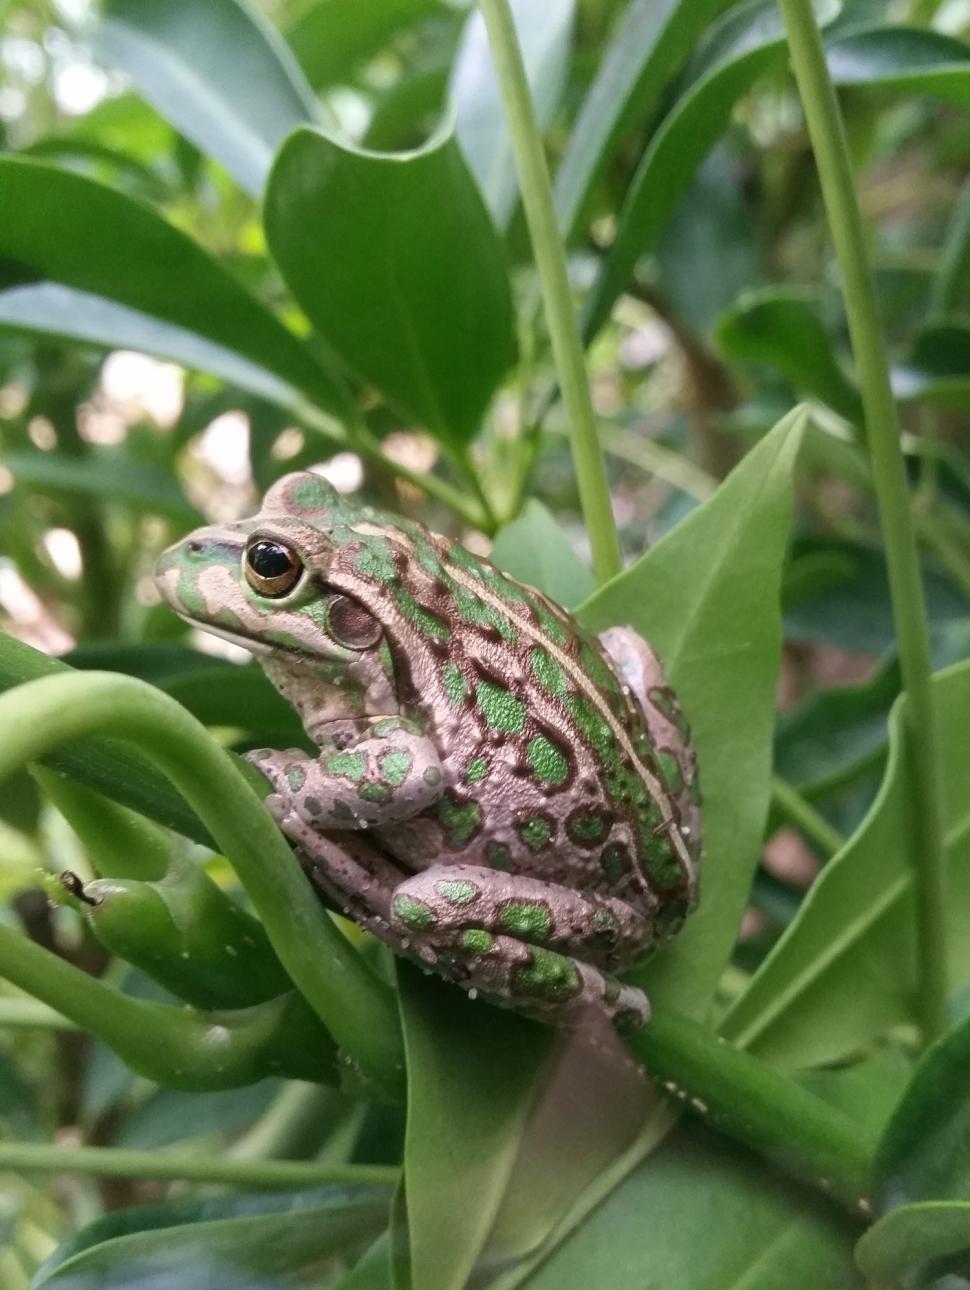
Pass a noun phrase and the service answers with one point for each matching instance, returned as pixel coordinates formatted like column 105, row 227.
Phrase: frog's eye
column 271, row 568
column 350, row 625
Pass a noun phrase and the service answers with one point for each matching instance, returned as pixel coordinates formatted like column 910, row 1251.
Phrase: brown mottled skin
column 528, row 790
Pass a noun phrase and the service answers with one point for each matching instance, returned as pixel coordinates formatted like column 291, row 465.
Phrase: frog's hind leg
column 533, row 946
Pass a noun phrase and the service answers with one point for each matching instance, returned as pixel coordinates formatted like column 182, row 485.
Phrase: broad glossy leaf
column 544, row 32
column 938, row 368
column 331, row 37
column 219, row 72
column 917, row 1246
column 707, row 598
column 924, row 1153
column 853, row 938
column 231, row 1243
column 651, row 40
column 738, row 49
column 468, row 1099
column 52, row 310
column 701, row 1213
column 110, row 476
column 395, row 259
column 534, row 549
column 781, row 329
column 903, row 58
column 60, row 229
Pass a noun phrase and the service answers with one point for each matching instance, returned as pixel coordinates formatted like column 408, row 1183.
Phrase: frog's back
column 547, row 761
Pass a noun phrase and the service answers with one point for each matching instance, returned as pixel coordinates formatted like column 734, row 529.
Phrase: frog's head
column 261, row 582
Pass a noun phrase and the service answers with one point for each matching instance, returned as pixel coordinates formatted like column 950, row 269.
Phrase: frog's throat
column 323, row 694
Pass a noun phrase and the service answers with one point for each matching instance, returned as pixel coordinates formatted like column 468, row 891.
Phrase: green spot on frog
column 425, row 621
column 414, row 913
column 349, row 764
column 670, row 770
column 295, row 777
column 501, row 710
column 604, row 920
column 498, row 856
column 480, row 614
column 550, row 624
column 395, row 767
column 388, row 726
column 313, row 493
column 457, row 891
column 549, row 762
column 548, row 672
column 660, row 863
column 432, row 776
column 587, row 830
column 615, row 861
column 476, row 769
column 461, row 819
column 456, row 687
column 527, row 919
column 549, row 976
column 477, row 940
column 535, row 832
column 379, row 793
column 375, row 560
column 595, row 666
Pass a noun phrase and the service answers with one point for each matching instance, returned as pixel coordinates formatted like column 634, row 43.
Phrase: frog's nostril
column 195, row 547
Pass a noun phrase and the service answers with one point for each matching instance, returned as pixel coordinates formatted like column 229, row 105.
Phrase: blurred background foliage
column 170, row 343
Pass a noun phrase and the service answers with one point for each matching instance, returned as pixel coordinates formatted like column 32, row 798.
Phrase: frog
column 497, row 793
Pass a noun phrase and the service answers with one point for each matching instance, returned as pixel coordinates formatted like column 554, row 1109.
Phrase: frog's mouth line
column 247, row 642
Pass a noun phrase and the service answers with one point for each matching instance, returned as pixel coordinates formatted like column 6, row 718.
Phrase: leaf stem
column 115, row 1162
column 550, row 257
column 829, row 143
column 796, row 810
column 741, row 1097
column 353, row 1003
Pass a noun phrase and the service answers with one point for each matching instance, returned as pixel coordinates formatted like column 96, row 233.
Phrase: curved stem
column 550, row 257
column 353, row 1003
column 114, row 1162
column 796, row 810
column 882, row 431
column 741, row 1097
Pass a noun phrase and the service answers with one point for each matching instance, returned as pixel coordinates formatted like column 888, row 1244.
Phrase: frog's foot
column 534, row 946
column 354, row 873
column 383, row 779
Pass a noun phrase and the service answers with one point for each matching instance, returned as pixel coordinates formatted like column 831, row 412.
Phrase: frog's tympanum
column 528, row 791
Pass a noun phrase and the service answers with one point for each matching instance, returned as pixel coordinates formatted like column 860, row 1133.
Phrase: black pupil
column 269, row 559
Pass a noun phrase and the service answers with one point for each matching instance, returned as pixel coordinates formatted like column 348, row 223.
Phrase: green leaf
column 544, row 33
column 937, row 369
column 395, row 260
column 651, row 40
column 916, row 1246
column 707, row 598
column 836, row 734
column 467, row 1105
column 903, row 58
column 225, row 1244
column 219, row 72
column 924, row 1153
column 331, row 37
column 860, row 911
column 739, row 48
column 951, row 280
column 106, row 475
column 60, row 230
column 780, row 328
column 534, row 549
column 701, row 1213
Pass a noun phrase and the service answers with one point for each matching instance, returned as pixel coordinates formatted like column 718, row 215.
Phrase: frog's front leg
column 535, row 946
column 389, row 774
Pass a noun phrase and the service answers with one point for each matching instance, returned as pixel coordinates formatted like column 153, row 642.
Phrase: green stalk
column 550, row 257
column 356, row 1006
column 789, row 803
column 827, row 133
column 114, row 1162
column 741, row 1097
